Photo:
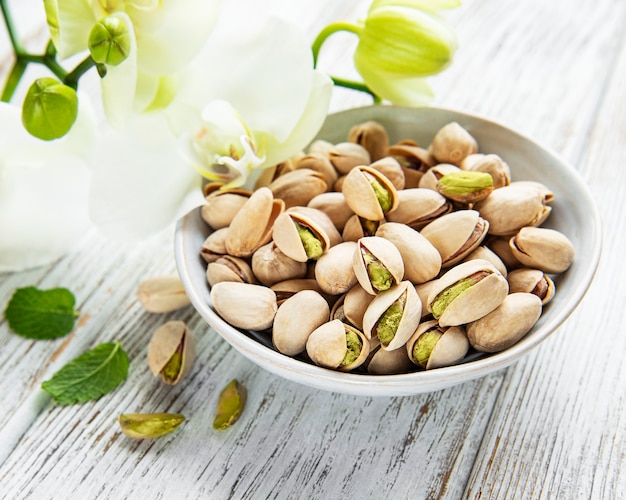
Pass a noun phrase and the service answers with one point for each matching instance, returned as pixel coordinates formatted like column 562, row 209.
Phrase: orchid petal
column 70, row 30
column 430, row 5
column 140, row 182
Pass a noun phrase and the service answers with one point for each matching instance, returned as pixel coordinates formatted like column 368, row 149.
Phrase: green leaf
column 41, row 314
column 90, row 375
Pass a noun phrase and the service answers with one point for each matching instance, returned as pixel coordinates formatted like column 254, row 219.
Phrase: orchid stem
column 350, row 84
column 329, row 30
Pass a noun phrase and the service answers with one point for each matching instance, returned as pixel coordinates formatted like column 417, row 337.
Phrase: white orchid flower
column 43, row 190
column 163, row 36
column 258, row 103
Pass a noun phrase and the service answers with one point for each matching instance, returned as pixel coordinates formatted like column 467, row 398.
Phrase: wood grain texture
column 551, row 426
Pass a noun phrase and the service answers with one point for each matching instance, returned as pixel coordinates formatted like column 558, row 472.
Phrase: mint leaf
column 90, row 375
column 41, row 314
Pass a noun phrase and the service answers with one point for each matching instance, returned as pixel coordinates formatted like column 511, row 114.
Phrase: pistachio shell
column 288, row 288
column 375, row 259
column 296, row 318
column 171, row 351
column 431, row 177
column 382, row 362
column 456, row 235
column 319, row 163
column 222, row 205
column 413, row 158
column 214, row 245
column 270, row 265
column 422, row 261
column 507, row 324
column 298, row 187
column 484, row 253
column 251, row 307
column 229, row 268
column 500, row 246
column 423, row 291
column 491, row 164
column 361, row 196
column 372, row 136
column 327, row 346
column 411, row 314
column 546, row 193
column 532, row 281
column 449, row 348
column 418, row 207
column 162, row 294
column 452, row 143
column 251, row 228
column 390, row 168
column 333, row 270
column 334, row 206
column 355, row 303
column 270, row 174
column 542, row 248
column 287, row 237
column 477, row 300
column 358, row 227
column 347, row 155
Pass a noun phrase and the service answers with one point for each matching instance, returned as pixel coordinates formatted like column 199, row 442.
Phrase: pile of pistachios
column 384, row 258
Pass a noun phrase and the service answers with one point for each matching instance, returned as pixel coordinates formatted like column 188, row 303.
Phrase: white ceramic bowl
column 574, row 213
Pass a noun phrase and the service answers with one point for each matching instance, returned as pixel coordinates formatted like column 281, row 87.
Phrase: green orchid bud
column 49, row 109
column 109, row 41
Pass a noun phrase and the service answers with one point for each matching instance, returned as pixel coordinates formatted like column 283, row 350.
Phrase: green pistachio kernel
column 369, row 226
column 354, row 346
column 312, row 245
column 443, row 299
column 424, row 346
column 379, row 275
column 389, row 322
column 231, row 403
column 382, row 195
column 465, row 186
column 149, row 425
column 172, row 369
column 109, row 41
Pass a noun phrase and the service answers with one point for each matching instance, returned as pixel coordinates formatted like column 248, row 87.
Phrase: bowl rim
column 405, row 383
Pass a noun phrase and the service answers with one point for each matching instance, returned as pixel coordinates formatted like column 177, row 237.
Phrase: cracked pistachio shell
column 410, row 318
column 466, row 187
column 320, row 163
column 214, row 245
column 484, row 253
column 505, row 325
column 423, row 291
column 452, row 143
column 229, row 268
column 412, row 157
column 431, row 177
column 437, row 346
column 288, row 288
column 327, row 346
column 390, row 168
column 456, row 235
column 485, row 289
column 149, row 425
column 270, row 174
column 388, row 266
column 333, row 270
column 363, row 198
column 358, row 227
column 418, row 207
column 500, row 246
column 347, row 155
column 251, row 307
column 162, row 294
column 270, row 265
column 171, row 351
column 251, row 228
column 298, row 187
column 541, row 248
column 355, row 303
column 334, row 205
column 222, row 205
column 490, row 164
column 422, row 261
column 382, row 362
column 296, row 318
column 337, row 312
column 372, row 136
column 510, row 208
column 230, row 404
column 532, row 281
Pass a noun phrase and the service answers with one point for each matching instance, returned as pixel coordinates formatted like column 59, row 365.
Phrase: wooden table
column 551, row 426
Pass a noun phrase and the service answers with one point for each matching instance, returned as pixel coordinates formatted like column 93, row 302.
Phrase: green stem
column 329, row 30
column 350, row 84
column 8, row 20
column 12, row 80
column 71, row 79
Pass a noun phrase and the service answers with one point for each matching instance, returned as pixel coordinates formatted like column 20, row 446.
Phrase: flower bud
column 49, row 109
column 109, row 41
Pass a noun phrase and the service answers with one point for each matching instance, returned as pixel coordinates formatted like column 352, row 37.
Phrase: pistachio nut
column 337, row 311
column 500, row 246
column 320, row 163
column 510, row 208
column 491, row 164
column 270, row 174
column 355, row 303
column 369, row 193
column 431, row 177
column 418, row 207
column 320, row 146
column 393, row 316
column 412, row 158
column 270, row 265
column 452, row 143
column 298, row 187
column 347, row 155
column 251, row 228
column 372, row 136
column 162, row 294
column 288, row 288
column 384, row 362
column 229, row 268
column 507, row 324
column 296, row 318
column 390, row 168
column 357, row 227
column 334, row 205
column 456, row 235
column 230, row 404
column 377, row 264
column 435, row 346
column 423, row 291
column 541, row 248
column 149, row 425
column 465, row 187
column 221, row 205
column 546, row 193
column 532, row 281
column 251, row 307
column 422, row 261
column 171, row 351
column 337, row 346
column 214, row 246
column 466, row 293
column 484, row 253
column 333, row 270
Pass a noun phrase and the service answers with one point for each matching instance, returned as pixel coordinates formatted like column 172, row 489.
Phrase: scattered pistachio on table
column 171, row 351
column 162, row 294
column 402, row 258
column 230, row 404
column 149, row 425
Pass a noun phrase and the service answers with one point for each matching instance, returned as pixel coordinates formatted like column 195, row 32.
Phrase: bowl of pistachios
column 406, row 250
